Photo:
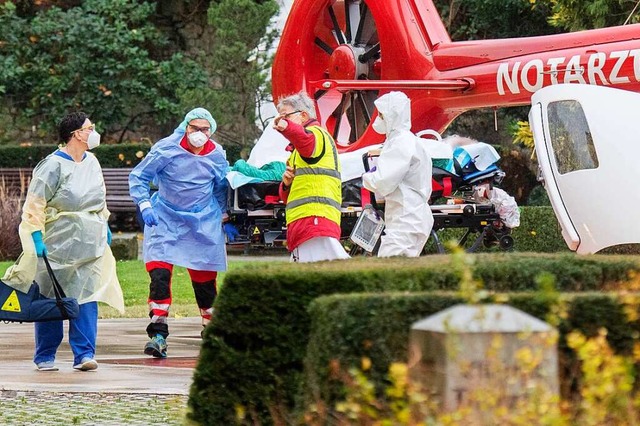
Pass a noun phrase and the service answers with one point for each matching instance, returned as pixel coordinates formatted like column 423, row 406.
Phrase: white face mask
column 197, row 139
column 380, row 126
column 93, row 140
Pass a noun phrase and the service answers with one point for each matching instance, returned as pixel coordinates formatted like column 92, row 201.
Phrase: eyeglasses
column 91, row 127
column 200, row 129
column 291, row 113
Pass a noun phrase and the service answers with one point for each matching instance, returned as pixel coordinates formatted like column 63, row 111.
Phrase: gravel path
column 49, row 408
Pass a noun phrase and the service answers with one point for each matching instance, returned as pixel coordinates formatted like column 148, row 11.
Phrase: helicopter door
column 588, row 154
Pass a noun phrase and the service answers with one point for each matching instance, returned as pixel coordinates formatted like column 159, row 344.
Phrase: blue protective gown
column 190, row 201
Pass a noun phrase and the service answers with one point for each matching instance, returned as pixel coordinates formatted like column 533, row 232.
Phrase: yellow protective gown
column 67, row 202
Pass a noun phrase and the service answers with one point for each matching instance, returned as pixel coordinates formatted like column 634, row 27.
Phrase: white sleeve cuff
column 145, row 205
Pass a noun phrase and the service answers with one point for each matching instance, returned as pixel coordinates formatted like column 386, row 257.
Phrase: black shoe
column 156, row 347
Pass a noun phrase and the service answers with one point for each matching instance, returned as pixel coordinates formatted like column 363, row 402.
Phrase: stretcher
column 259, row 215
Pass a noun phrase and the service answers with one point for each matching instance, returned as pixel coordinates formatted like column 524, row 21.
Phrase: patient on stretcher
column 458, row 161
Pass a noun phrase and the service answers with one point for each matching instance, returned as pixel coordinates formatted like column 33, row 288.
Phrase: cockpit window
column 570, row 137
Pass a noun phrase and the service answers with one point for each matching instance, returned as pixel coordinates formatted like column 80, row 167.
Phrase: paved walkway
column 128, row 388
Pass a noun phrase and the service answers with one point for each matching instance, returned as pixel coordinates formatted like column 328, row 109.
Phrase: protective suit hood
column 395, row 108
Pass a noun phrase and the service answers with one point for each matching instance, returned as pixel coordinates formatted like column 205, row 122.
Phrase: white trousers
column 319, row 249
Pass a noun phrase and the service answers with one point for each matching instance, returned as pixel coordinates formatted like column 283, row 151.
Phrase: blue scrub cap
column 195, row 114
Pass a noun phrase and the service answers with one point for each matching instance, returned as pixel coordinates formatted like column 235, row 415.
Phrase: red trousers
column 204, row 286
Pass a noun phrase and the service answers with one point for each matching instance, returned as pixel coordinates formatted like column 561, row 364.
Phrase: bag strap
column 57, row 289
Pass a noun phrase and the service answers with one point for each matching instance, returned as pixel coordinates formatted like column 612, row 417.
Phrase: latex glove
column 109, row 236
column 373, row 169
column 230, row 231
column 149, row 217
column 41, row 249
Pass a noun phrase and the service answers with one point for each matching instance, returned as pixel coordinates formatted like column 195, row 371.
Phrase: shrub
column 95, row 57
column 347, row 328
column 125, row 155
column 11, row 200
column 109, row 155
column 538, row 197
column 608, row 394
column 251, row 359
column 539, row 231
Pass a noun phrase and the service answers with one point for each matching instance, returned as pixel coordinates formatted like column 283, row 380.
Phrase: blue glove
column 109, row 236
column 373, row 169
column 230, row 231
column 149, row 217
column 41, row 249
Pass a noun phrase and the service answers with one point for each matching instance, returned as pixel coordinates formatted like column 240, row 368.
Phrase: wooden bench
column 116, row 182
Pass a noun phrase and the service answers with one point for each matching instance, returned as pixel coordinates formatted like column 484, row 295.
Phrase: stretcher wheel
column 468, row 210
column 281, row 215
column 490, row 241
column 506, row 242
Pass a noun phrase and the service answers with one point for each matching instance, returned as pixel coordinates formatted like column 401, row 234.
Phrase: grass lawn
column 134, row 281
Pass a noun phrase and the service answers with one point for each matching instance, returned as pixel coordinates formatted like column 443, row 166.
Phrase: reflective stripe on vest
column 317, row 187
column 319, row 200
column 312, row 171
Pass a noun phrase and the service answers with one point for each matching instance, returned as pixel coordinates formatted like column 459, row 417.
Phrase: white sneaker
column 86, row 364
column 46, row 366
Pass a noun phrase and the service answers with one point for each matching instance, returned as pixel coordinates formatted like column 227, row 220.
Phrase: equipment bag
column 32, row 306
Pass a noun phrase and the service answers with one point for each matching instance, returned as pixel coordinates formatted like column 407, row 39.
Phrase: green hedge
column 125, row 155
column 346, row 328
column 109, row 155
column 539, row 232
column 254, row 348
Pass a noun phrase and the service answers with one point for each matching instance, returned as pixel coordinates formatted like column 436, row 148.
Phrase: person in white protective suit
column 183, row 219
column 402, row 176
column 65, row 219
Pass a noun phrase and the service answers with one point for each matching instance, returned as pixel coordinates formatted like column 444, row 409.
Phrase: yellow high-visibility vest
column 317, row 188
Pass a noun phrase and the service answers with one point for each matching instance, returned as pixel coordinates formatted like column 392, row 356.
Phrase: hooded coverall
column 403, row 177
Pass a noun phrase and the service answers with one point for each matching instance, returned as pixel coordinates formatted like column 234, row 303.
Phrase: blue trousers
column 82, row 335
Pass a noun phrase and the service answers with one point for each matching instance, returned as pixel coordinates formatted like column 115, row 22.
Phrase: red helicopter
column 346, row 53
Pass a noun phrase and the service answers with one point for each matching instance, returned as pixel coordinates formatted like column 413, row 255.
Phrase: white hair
column 455, row 141
column 299, row 102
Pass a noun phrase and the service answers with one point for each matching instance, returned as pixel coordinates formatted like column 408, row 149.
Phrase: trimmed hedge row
column 125, row 155
column 254, row 348
column 346, row 328
column 109, row 155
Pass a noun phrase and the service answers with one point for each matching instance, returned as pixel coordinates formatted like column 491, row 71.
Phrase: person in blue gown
column 183, row 219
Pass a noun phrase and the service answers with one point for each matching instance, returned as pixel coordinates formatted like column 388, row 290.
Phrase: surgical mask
column 380, row 126
column 93, row 140
column 197, row 139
